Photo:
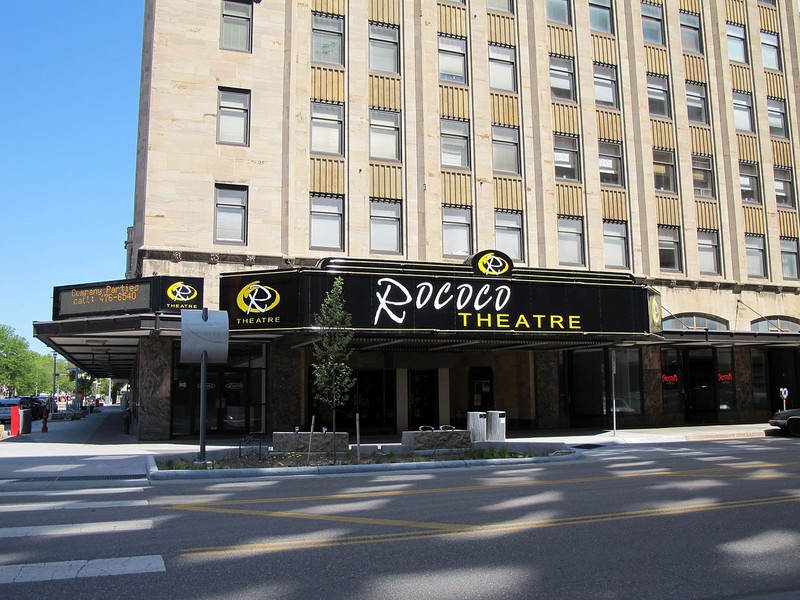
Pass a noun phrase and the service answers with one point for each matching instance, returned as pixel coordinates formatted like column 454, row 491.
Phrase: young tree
column 333, row 378
column 16, row 360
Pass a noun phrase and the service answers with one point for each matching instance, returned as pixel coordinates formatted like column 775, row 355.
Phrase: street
column 686, row 520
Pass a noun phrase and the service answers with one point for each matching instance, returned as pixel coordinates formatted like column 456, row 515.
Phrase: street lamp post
column 53, row 397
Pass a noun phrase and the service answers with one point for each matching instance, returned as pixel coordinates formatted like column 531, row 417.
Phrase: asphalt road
column 685, row 521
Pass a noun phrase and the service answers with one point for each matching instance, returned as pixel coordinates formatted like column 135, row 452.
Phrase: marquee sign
column 481, row 297
column 148, row 294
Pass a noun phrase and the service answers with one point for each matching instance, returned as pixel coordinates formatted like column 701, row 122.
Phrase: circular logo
column 258, row 298
column 492, row 263
column 655, row 310
column 181, row 292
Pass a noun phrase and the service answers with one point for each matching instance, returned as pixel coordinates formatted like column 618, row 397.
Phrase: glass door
column 423, row 398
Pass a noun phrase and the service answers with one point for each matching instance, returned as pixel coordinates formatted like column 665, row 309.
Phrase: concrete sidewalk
column 95, row 448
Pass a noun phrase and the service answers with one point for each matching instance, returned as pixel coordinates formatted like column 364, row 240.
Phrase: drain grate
column 588, row 446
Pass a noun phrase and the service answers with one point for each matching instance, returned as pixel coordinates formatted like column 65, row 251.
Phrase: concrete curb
column 156, row 474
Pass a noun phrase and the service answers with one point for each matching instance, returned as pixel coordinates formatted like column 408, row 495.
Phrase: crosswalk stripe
column 77, row 492
column 71, row 505
column 76, row 528
column 75, row 569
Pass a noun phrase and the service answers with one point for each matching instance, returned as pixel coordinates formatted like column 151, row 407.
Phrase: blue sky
column 68, row 126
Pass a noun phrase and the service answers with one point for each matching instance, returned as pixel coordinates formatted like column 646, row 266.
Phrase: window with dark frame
column 384, row 48
column 611, row 166
column 615, row 244
column 385, row 226
column 567, row 158
column 230, row 214
column 776, row 113
column 737, row 43
column 570, row 241
column 658, row 96
column 452, row 59
column 771, row 50
column 601, row 18
column 708, row 252
column 384, row 135
column 508, row 233
column 756, row 255
column 703, row 177
column 691, row 33
column 605, row 86
column 743, row 112
column 505, row 150
column 562, row 79
column 327, row 222
column 559, row 11
column 784, row 187
column 233, row 121
column 749, row 183
column 454, row 141
column 696, row 103
column 653, row 24
column 502, row 68
column 456, row 231
column 664, row 171
column 327, row 39
column 327, row 128
column 789, row 258
column 237, row 18
column 669, row 249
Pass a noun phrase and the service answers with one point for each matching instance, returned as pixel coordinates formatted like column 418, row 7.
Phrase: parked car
column 5, row 408
column 788, row 421
column 36, row 404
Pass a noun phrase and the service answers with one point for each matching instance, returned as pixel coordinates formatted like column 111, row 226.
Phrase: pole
column 53, row 397
column 203, row 393
column 358, row 439
column 613, row 390
column 310, row 436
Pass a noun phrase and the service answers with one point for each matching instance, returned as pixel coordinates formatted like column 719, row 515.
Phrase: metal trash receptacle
column 25, row 419
column 476, row 425
column 496, row 426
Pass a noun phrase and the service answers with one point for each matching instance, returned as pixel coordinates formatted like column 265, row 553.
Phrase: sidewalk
column 94, row 448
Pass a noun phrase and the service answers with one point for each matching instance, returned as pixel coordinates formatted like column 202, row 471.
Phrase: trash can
column 496, row 426
column 25, row 420
column 476, row 425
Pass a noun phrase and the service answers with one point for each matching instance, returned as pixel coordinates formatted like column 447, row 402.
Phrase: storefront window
column 726, row 385
column 671, row 381
column 627, row 382
column 758, row 366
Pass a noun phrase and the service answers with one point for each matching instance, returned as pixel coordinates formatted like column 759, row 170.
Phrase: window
column 452, row 59
column 570, row 241
column 771, row 50
column 327, row 222
column 743, row 112
column 696, row 103
column 455, row 143
column 230, row 214
column 703, row 177
column 611, row 172
column 566, row 158
column 385, row 226
column 384, row 135
column 691, row 36
column 558, row 11
column 778, row 126
column 562, row 78
column 327, row 126
column 784, row 190
column 756, row 255
column 500, row 5
column 236, row 25
column 664, row 170
column 748, row 183
column 384, row 48
column 505, row 150
column 658, row 96
column 653, row 24
column 615, row 244
column 508, row 233
column 737, row 43
column 600, row 17
column 502, row 68
column 605, row 86
column 708, row 252
column 233, row 122
column 775, row 323
column 327, row 35
column 456, row 231
column 789, row 258
column 669, row 248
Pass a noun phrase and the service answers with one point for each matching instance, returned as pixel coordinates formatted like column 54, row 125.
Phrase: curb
column 156, row 474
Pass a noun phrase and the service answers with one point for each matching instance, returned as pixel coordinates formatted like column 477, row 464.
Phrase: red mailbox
column 15, row 424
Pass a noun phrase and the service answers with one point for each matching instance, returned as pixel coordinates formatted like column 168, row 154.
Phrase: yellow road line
column 512, row 526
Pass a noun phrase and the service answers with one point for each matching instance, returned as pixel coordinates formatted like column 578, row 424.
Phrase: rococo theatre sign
column 486, row 295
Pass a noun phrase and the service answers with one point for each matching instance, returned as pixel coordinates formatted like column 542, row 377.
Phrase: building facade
column 655, row 140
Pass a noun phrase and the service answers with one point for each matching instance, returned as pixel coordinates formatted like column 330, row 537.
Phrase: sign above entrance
column 426, row 298
column 147, row 294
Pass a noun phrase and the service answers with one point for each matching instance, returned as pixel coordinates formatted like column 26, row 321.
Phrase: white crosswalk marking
column 71, row 505
column 74, row 569
column 77, row 529
column 78, row 492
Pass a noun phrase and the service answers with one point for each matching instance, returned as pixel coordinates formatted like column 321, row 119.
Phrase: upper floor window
column 784, row 188
column 454, row 143
column 703, row 176
column 562, row 78
column 708, row 252
column 756, row 255
column 237, row 18
column 789, row 256
column 452, row 59
column 669, row 248
column 743, row 112
column 385, row 226
column 233, row 121
column 327, row 39
column 658, row 96
column 456, row 231
column 567, row 158
column 664, row 171
column 778, row 125
column 384, row 48
column 653, row 24
column 384, row 135
column 696, row 103
column 611, row 172
column 570, row 241
column 775, row 324
column 505, row 150
column 737, row 43
column 502, row 68
column 691, row 34
column 605, row 86
column 749, row 183
column 558, row 11
column 615, row 244
column 508, row 233
column 327, row 128
column 771, row 50
column 230, row 214
column 600, row 16
column 500, row 5
column 327, row 222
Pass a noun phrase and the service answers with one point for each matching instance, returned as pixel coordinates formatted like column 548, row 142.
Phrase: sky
column 68, row 128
